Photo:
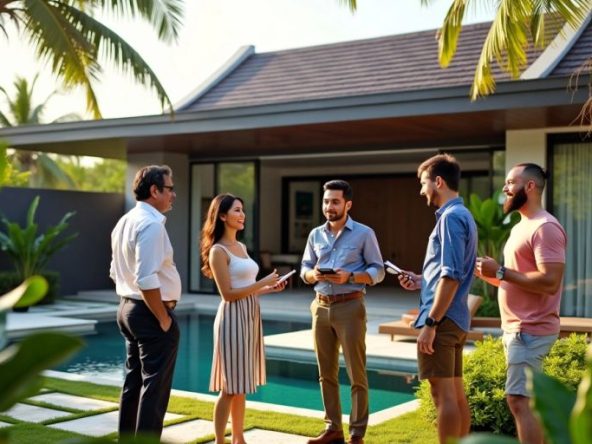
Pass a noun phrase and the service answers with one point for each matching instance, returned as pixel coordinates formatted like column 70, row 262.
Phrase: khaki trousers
column 344, row 324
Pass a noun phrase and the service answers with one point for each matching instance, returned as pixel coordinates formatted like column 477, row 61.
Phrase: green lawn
column 409, row 428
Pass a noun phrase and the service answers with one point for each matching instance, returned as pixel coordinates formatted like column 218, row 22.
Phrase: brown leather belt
column 342, row 297
column 170, row 304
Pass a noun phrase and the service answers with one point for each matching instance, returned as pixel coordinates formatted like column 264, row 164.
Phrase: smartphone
column 392, row 268
column 286, row 276
column 326, row 271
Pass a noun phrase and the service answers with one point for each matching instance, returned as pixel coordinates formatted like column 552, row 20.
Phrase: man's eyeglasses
column 169, row 187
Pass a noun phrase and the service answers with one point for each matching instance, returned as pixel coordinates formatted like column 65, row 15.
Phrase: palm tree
column 44, row 171
column 65, row 33
column 516, row 23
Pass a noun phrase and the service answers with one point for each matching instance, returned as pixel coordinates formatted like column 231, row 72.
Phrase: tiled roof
column 373, row 66
column 580, row 52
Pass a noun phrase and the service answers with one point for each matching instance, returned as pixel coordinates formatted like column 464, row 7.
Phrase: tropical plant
column 43, row 170
column 103, row 175
column 21, row 364
column 65, row 33
column 29, row 251
column 566, row 416
column 8, row 174
column 517, row 24
column 493, row 229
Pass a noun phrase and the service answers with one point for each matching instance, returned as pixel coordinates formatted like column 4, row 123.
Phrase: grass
column 407, row 429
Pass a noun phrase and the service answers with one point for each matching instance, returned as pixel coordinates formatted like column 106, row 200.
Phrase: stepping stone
column 4, row 424
column 32, row 413
column 74, row 402
column 187, row 431
column 98, row 425
column 269, row 437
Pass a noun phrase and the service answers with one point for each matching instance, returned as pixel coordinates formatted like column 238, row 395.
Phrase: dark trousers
column 150, row 363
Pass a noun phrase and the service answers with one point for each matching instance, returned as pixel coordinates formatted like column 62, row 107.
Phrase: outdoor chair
column 404, row 327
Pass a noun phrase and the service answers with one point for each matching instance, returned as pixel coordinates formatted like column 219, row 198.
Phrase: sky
column 212, row 31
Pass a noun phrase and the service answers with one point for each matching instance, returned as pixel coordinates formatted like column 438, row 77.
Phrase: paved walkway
column 61, row 411
column 103, row 417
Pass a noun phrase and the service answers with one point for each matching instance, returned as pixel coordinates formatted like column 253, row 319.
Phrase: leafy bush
column 485, row 377
column 9, row 280
column 493, row 229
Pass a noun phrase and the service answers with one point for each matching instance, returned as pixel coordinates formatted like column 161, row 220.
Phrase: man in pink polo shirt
column 530, row 285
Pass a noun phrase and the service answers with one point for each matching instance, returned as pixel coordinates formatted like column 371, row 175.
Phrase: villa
column 272, row 127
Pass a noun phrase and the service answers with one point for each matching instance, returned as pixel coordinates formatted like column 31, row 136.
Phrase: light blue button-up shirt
column 451, row 252
column 354, row 249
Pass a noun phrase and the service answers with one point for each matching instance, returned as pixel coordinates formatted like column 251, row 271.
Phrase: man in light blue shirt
column 445, row 283
column 341, row 258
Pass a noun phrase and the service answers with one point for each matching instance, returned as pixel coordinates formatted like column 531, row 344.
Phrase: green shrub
column 10, row 280
column 485, row 377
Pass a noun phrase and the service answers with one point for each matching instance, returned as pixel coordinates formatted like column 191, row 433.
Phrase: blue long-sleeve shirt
column 354, row 249
column 451, row 252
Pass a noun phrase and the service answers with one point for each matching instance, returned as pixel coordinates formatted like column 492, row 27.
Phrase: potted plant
column 30, row 251
column 493, row 228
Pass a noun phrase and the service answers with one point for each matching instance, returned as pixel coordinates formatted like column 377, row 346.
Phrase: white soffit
column 555, row 52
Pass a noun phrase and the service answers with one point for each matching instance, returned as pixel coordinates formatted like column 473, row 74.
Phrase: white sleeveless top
column 243, row 270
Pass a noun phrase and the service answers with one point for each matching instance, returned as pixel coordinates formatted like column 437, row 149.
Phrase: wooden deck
column 568, row 325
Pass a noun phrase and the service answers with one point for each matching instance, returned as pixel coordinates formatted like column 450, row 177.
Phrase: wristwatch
column 431, row 322
column 351, row 279
column 500, row 273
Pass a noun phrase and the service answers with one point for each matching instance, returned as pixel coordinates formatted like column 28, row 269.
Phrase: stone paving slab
column 269, row 437
column 98, row 425
column 74, row 402
column 187, row 431
column 32, row 413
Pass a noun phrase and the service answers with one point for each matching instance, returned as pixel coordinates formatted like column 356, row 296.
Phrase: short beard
column 334, row 217
column 515, row 202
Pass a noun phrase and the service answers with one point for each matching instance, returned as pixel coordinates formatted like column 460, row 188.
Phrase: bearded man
column 530, row 285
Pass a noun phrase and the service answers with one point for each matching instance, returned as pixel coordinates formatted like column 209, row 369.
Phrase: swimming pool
column 288, row 383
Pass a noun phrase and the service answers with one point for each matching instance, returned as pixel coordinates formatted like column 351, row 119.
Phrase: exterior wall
column 84, row 263
column 178, row 218
column 270, row 234
column 531, row 145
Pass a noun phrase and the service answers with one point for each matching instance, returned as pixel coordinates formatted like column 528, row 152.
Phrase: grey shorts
column 523, row 351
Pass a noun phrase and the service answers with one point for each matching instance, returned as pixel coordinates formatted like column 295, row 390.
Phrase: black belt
column 168, row 304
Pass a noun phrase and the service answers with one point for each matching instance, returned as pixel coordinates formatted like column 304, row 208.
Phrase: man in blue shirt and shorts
column 445, row 283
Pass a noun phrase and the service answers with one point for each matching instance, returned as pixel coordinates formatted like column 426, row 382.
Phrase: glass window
column 239, row 179
column 202, row 193
column 572, row 205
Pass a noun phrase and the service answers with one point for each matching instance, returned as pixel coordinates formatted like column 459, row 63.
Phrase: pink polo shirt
column 538, row 240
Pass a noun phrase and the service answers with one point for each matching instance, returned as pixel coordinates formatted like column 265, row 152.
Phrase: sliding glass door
column 208, row 180
column 572, row 205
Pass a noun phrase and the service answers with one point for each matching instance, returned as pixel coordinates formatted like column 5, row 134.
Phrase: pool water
column 288, row 383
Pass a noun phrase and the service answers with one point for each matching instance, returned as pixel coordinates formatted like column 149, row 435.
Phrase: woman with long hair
column 238, row 366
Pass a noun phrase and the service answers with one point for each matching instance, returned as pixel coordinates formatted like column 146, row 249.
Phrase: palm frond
column 449, row 33
column 116, row 49
column 58, row 40
column 164, row 15
column 351, row 4
column 5, row 121
column 70, row 117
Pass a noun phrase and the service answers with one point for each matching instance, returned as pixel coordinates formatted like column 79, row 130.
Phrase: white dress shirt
column 143, row 255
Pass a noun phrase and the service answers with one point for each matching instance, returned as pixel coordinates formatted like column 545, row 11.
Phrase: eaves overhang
column 509, row 95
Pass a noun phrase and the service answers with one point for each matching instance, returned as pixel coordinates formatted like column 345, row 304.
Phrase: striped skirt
column 238, row 365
